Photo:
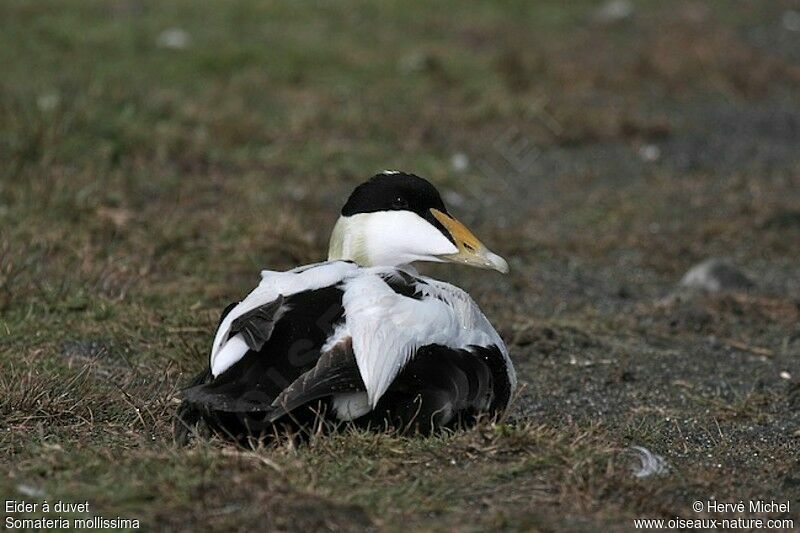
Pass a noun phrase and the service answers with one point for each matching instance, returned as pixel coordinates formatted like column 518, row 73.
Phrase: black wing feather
column 257, row 324
column 227, row 401
column 335, row 372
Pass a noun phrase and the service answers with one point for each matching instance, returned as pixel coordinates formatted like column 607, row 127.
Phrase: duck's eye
column 399, row 203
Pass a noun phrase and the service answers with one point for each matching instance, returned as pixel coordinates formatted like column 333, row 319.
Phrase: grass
column 143, row 187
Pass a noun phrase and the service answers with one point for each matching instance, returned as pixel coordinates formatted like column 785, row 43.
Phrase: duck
column 362, row 338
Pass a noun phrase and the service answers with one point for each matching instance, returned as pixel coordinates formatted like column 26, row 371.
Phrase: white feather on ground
column 647, row 463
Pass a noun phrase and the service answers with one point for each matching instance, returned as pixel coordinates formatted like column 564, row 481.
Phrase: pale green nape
column 336, row 244
column 345, row 246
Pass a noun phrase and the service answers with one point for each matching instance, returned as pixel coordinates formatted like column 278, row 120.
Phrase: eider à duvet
column 361, row 338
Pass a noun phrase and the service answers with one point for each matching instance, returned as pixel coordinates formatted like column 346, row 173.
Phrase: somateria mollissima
column 361, row 338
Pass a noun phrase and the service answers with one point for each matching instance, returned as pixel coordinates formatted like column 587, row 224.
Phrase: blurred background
column 155, row 156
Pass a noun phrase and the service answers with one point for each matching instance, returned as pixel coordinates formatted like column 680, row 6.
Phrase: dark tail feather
column 185, row 424
column 237, row 412
column 335, row 372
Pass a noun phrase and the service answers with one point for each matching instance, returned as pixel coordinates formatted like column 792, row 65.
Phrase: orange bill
column 471, row 251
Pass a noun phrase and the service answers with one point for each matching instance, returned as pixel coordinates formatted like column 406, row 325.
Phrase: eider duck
column 361, row 338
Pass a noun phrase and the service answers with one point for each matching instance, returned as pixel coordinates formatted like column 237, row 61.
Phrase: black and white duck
column 361, row 338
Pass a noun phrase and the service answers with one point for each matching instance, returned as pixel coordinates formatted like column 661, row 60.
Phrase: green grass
column 143, row 188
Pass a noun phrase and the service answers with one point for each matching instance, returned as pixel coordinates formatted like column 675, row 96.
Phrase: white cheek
column 394, row 237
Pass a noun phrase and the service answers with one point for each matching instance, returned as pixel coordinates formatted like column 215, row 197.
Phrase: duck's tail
column 185, row 425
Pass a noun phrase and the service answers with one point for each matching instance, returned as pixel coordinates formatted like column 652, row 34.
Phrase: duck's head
column 396, row 218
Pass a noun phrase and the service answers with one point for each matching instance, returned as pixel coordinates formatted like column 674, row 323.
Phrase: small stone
column 650, row 152
column 791, row 20
column 785, row 375
column 118, row 216
column 174, row 38
column 459, row 162
column 30, row 491
column 297, row 192
column 453, row 198
column 419, row 62
column 614, row 11
column 714, row 275
column 48, row 101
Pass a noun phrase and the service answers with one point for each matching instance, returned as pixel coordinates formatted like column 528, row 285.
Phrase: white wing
column 471, row 317
column 387, row 328
column 226, row 350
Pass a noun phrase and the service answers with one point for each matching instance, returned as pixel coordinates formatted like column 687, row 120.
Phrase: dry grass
column 143, row 188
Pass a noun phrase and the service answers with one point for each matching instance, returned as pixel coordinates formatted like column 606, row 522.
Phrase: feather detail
column 273, row 285
column 387, row 328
